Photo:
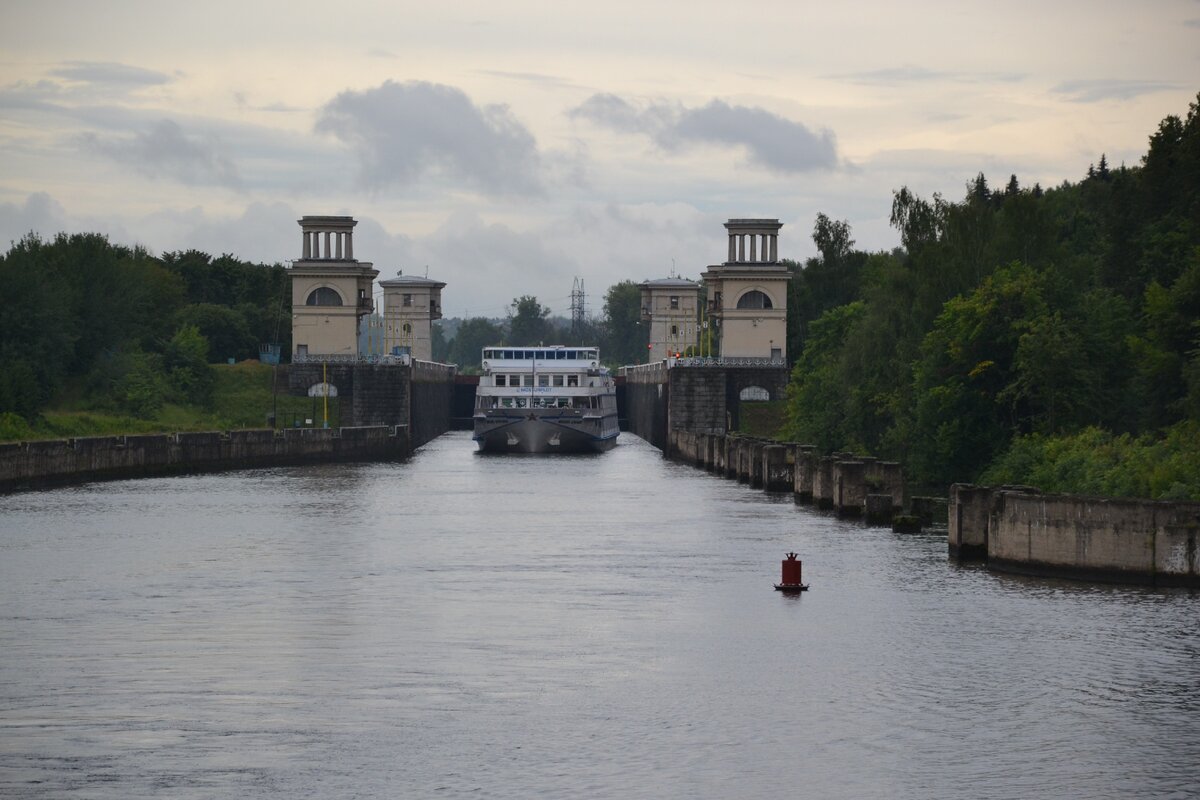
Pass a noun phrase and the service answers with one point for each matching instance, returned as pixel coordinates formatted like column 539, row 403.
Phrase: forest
column 1021, row 334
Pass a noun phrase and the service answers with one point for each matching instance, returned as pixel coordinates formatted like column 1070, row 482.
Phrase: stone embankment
column 66, row 461
column 1018, row 529
column 850, row 486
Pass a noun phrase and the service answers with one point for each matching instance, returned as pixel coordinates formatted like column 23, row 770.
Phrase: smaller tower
column 331, row 290
column 410, row 305
column 671, row 306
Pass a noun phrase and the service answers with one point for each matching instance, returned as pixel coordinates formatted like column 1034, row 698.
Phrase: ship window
column 509, row 354
column 558, row 380
column 572, row 380
column 543, row 380
column 500, row 380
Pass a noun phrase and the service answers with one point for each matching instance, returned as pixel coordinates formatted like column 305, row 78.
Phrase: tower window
column 674, row 301
column 323, row 296
column 754, row 299
column 406, row 300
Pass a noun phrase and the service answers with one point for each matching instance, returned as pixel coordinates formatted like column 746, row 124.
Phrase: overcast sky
column 510, row 147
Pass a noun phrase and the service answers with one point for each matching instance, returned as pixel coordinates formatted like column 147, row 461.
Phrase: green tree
column 466, row 348
column 528, row 321
column 966, row 363
column 224, row 328
column 816, row 397
column 185, row 360
column 625, row 337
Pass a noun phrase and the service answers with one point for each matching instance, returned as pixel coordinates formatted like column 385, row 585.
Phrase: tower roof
column 669, row 283
column 410, row 281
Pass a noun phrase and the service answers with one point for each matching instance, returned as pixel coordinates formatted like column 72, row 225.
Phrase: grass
column 242, row 398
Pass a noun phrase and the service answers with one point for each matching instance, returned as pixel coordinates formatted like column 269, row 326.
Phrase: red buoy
column 791, row 581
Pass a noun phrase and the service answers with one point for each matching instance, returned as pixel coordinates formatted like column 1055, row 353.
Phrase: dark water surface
column 595, row 626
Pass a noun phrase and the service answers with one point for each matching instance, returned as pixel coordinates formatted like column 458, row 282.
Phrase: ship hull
column 528, row 431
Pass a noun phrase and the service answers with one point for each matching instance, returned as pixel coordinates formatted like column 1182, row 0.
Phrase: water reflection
column 517, row 626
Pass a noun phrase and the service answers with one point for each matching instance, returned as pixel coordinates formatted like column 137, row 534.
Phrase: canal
column 517, row 626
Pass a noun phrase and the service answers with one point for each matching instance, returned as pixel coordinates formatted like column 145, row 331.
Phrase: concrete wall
column 418, row 395
column 431, row 401
column 63, row 461
column 695, row 399
column 1140, row 541
column 646, row 396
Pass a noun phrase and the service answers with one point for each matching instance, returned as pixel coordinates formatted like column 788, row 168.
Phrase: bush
column 1098, row 462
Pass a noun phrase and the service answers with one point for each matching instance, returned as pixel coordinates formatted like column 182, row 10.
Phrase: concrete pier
column 777, row 471
column 1123, row 540
column 849, row 488
column 822, row 492
column 803, row 472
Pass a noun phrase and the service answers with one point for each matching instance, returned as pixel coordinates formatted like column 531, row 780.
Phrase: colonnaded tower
column 331, row 291
column 671, row 306
column 410, row 305
column 747, row 295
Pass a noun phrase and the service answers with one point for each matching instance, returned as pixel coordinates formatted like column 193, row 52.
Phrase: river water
column 516, row 626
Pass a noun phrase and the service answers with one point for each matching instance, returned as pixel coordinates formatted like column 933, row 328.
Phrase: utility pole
column 577, row 304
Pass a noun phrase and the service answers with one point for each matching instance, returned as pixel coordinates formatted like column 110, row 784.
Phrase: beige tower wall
column 753, row 332
column 325, row 330
column 656, row 304
column 418, row 316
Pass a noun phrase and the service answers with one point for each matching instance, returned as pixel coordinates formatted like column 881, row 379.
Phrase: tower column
column 732, row 248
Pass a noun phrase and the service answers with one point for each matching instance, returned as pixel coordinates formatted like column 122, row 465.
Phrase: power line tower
column 577, row 303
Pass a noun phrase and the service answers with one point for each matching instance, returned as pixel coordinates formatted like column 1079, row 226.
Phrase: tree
column 466, row 348
column 186, row 363
column 625, row 336
column 225, row 329
column 832, row 238
column 528, row 321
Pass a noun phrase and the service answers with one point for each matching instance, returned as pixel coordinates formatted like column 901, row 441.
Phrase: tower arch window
column 754, row 299
column 323, row 296
column 408, row 327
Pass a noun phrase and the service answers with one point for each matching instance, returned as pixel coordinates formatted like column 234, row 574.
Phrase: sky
column 508, row 148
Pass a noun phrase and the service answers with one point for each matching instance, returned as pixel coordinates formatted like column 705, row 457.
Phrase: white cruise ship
column 545, row 400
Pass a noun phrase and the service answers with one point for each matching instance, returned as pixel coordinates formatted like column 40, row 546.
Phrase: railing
column 387, row 360
column 728, row 361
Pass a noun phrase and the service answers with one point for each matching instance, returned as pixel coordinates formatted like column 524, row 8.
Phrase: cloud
column 165, row 150
column 40, row 214
column 769, row 140
column 911, row 74
column 110, row 74
column 550, row 81
column 1097, row 90
column 405, row 132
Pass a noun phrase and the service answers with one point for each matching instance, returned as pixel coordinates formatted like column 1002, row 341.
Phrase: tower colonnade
column 753, row 241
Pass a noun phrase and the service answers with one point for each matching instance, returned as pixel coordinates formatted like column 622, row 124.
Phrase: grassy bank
column 242, row 398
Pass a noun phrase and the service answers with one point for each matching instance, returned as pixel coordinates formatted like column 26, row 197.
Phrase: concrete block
column 879, row 509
